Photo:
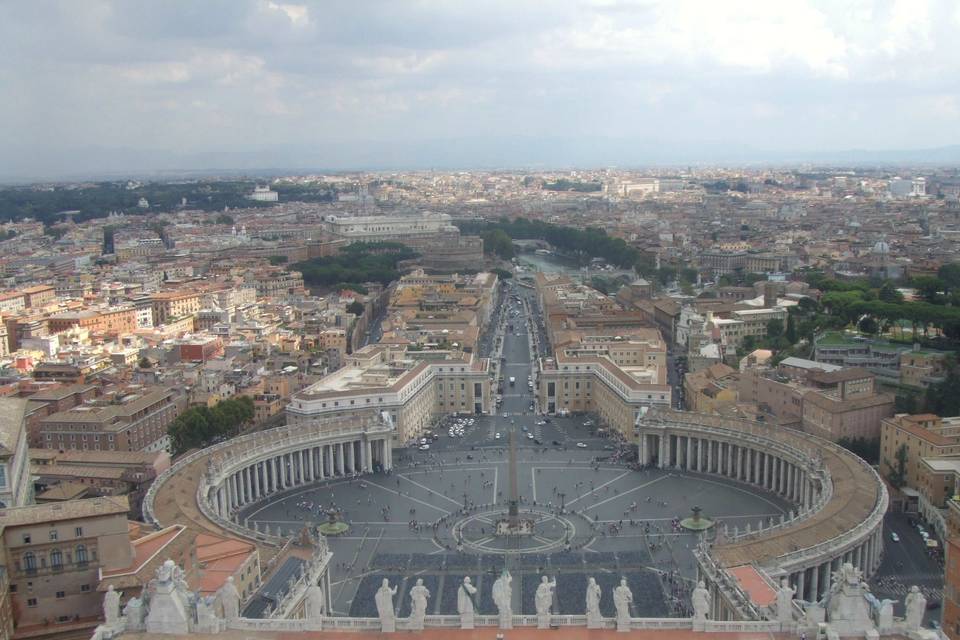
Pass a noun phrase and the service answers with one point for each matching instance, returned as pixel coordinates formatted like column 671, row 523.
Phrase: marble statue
column 384, row 600
column 785, row 602
column 165, row 571
column 465, row 603
column 885, row 615
column 418, row 604
column 503, row 599
column 171, row 611
column 849, row 603
column 229, row 600
column 207, row 621
column 916, row 605
column 133, row 612
column 622, row 599
column 544, row 596
column 314, row 603
column 111, row 607
column 701, row 602
column 594, row 620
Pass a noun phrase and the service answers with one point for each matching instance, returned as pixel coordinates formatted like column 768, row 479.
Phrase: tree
column 144, row 363
column 356, row 308
column 868, row 325
column 905, row 403
column 503, row 274
column 949, row 274
column 898, row 470
column 277, row 260
column 929, row 288
column 791, row 332
column 774, row 328
column 889, row 293
column 224, row 219
column 497, row 242
column 869, row 450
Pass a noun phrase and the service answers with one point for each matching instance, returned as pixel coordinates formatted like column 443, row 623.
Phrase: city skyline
column 111, row 88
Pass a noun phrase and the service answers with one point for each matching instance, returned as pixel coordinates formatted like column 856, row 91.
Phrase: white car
column 496, row 436
column 529, row 436
column 506, row 415
column 423, row 441
column 424, row 447
column 582, row 445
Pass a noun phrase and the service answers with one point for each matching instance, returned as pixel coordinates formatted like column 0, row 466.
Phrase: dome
column 881, row 247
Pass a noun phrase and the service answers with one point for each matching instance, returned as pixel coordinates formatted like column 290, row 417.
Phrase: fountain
column 696, row 522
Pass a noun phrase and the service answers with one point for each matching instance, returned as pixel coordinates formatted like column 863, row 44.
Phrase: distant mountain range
column 31, row 165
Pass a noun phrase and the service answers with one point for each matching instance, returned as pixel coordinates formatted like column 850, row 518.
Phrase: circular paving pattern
column 546, row 531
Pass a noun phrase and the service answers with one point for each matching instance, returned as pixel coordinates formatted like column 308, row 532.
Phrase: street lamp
column 562, row 503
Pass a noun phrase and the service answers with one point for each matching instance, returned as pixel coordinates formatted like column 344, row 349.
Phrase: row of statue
column 502, row 594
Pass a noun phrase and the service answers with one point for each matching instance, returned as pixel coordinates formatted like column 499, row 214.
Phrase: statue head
column 419, row 582
column 914, row 589
column 783, row 583
column 543, row 579
column 701, row 585
column 110, row 589
column 466, row 580
column 623, row 582
column 386, row 583
column 592, row 581
column 229, row 579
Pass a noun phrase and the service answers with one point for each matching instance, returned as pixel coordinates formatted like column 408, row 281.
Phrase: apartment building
column 16, row 489
column 711, row 390
column 112, row 320
column 170, row 305
column 616, row 377
column 845, row 405
column 412, row 386
column 135, row 419
column 54, row 554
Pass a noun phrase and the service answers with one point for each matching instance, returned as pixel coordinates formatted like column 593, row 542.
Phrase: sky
column 138, row 85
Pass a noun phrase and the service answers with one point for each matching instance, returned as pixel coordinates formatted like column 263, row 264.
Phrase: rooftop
column 70, row 510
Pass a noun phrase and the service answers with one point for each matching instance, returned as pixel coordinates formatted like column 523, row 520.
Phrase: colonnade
column 313, row 462
column 776, row 464
column 813, row 582
column 770, row 470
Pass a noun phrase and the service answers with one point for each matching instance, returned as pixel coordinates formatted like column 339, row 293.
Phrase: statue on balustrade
column 701, row 602
column 111, row 607
column 418, row 604
column 384, row 600
column 594, row 620
column 622, row 599
column 465, row 603
column 916, row 605
column 785, row 602
column 503, row 599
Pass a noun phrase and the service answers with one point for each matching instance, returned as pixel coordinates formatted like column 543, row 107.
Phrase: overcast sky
column 434, row 82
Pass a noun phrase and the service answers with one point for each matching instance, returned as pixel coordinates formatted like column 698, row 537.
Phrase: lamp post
column 562, row 503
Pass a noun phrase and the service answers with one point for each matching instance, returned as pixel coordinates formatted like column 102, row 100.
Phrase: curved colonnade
column 839, row 503
column 838, row 518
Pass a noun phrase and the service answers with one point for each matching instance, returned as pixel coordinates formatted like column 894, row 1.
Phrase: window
column 26, row 538
column 81, row 554
column 53, row 534
column 78, row 532
column 61, row 595
column 29, row 561
column 85, row 588
column 31, row 602
column 3, row 475
column 56, row 559
column 13, row 588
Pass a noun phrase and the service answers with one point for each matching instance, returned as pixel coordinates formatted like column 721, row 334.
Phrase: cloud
column 187, row 76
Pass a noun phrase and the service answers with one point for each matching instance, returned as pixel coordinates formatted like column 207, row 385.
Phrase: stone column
column 662, row 451
column 331, row 470
column 815, row 583
column 757, row 457
column 340, row 466
column 710, row 445
column 351, row 456
column 730, row 458
column 368, row 455
column 801, row 585
column 388, row 452
column 689, row 442
column 256, row 481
